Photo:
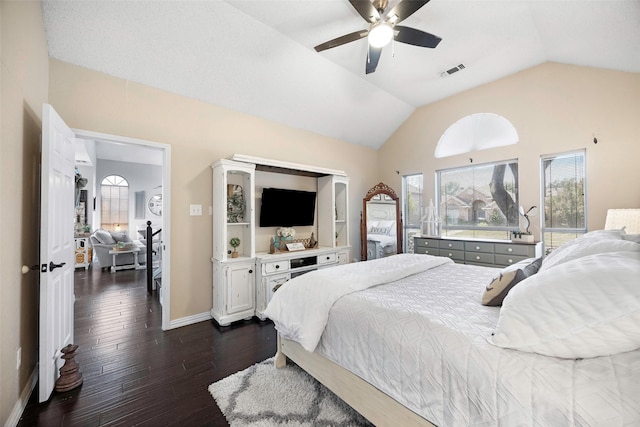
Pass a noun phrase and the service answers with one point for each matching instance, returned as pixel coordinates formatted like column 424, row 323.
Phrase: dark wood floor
column 136, row 374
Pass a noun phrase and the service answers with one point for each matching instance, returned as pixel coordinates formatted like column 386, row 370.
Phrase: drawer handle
column 509, row 249
column 328, row 257
column 477, row 248
column 477, row 257
column 250, row 271
column 450, row 245
column 510, row 261
column 450, row 254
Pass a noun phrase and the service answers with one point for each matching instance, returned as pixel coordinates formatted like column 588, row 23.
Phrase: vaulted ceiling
column 257, row 56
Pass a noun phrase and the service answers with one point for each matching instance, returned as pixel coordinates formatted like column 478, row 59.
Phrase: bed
column 405, row 341
column 380, row 245
column 381, row 236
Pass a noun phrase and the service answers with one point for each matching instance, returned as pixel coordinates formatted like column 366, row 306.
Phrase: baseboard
column 190, row 320
column 18, row 408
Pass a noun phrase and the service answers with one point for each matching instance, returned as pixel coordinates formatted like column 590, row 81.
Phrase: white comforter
column 423, row 341
column 383, row 239
column 300, row 308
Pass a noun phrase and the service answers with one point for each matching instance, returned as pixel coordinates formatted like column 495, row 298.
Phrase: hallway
column 136, row 374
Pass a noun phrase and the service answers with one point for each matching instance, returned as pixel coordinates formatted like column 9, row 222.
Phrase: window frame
column 507, row 229
column 561, row 230
column 119, row 182
column 406, row 226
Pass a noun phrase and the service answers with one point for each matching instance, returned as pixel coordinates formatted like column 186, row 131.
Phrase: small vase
column 234, row 254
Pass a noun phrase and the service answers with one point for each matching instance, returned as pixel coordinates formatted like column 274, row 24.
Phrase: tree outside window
column 479, row 201
column 564, row 200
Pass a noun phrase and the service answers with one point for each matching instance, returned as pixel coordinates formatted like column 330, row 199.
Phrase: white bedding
column 300, row 307
column 423, row 341
column 383, row 239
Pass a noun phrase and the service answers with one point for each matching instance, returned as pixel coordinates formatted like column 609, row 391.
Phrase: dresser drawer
column 454, row 255
column 478, row 247
column 427, row 251
column 451, row 245
column 327, row 258
column 272, row 267
column 508, row 259
column 425, row 243
column 515, row 249
column 478, row 257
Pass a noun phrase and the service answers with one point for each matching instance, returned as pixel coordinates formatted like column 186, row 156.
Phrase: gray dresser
column 490, row 253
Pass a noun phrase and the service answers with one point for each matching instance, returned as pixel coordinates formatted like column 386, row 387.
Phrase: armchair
column 104, row 241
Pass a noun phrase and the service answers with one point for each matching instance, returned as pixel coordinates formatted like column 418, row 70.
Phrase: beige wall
column 198, row 134
column 24, row 87
column 555, row 108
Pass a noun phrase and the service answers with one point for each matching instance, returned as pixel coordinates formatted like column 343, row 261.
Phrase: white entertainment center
column 243, row 285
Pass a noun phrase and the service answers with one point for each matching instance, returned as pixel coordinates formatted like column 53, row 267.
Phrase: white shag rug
column 263, row 396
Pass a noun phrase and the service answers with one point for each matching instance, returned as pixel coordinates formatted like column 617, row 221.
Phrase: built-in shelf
column 235, row 282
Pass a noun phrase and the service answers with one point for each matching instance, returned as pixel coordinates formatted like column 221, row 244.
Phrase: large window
column 564, row 197
column 479, row 201
column 411, row 209
column 114, row 203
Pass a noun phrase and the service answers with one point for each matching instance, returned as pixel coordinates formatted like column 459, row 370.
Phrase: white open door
column 57, row 200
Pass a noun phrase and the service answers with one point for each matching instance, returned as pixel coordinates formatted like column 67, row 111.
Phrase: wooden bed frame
column 373, row 404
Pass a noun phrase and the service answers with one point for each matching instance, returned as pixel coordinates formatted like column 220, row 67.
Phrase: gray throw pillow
column 104, row 237
column 120, row 237
column 500, row 286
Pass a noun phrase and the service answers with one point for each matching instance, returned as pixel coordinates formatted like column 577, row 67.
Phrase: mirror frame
column 382, row 189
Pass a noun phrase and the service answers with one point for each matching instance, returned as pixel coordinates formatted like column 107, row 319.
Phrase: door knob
column 26, row 268
column 53, row 266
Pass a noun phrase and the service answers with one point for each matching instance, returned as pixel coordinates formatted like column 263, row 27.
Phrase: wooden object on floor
column 70, row 375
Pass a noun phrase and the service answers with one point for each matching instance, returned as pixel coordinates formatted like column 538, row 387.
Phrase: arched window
column 475, row 132
column 114, row 203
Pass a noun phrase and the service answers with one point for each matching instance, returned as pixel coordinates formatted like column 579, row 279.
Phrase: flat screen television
column 287, row 208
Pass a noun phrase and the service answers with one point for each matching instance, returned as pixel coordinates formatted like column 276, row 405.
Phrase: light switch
column 195, row 210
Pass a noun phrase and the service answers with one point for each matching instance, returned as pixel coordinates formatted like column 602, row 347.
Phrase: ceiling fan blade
column 416, row 37
column 366, row 9
column 357, row 35
column 405, row 9
column 372, row 59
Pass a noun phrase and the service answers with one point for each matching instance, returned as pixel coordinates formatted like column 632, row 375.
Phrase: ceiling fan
column 383, row 27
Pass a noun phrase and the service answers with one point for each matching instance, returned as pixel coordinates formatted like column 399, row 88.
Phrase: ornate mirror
column 380, row 223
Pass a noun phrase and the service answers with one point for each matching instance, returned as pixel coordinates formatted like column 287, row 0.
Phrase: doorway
column 131, row 150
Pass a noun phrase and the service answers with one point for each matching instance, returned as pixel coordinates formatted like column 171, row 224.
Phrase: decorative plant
column 286, row 232
column 234, row 242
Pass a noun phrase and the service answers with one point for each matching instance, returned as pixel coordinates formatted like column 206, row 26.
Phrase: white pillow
column 391, row 225
column 586, row 307
column 584, row 246
column 605, row 234
column 631, row 237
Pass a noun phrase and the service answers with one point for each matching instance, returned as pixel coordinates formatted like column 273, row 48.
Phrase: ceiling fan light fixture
column 380, row 34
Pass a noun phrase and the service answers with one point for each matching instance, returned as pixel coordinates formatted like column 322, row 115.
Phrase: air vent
column 452, row 70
